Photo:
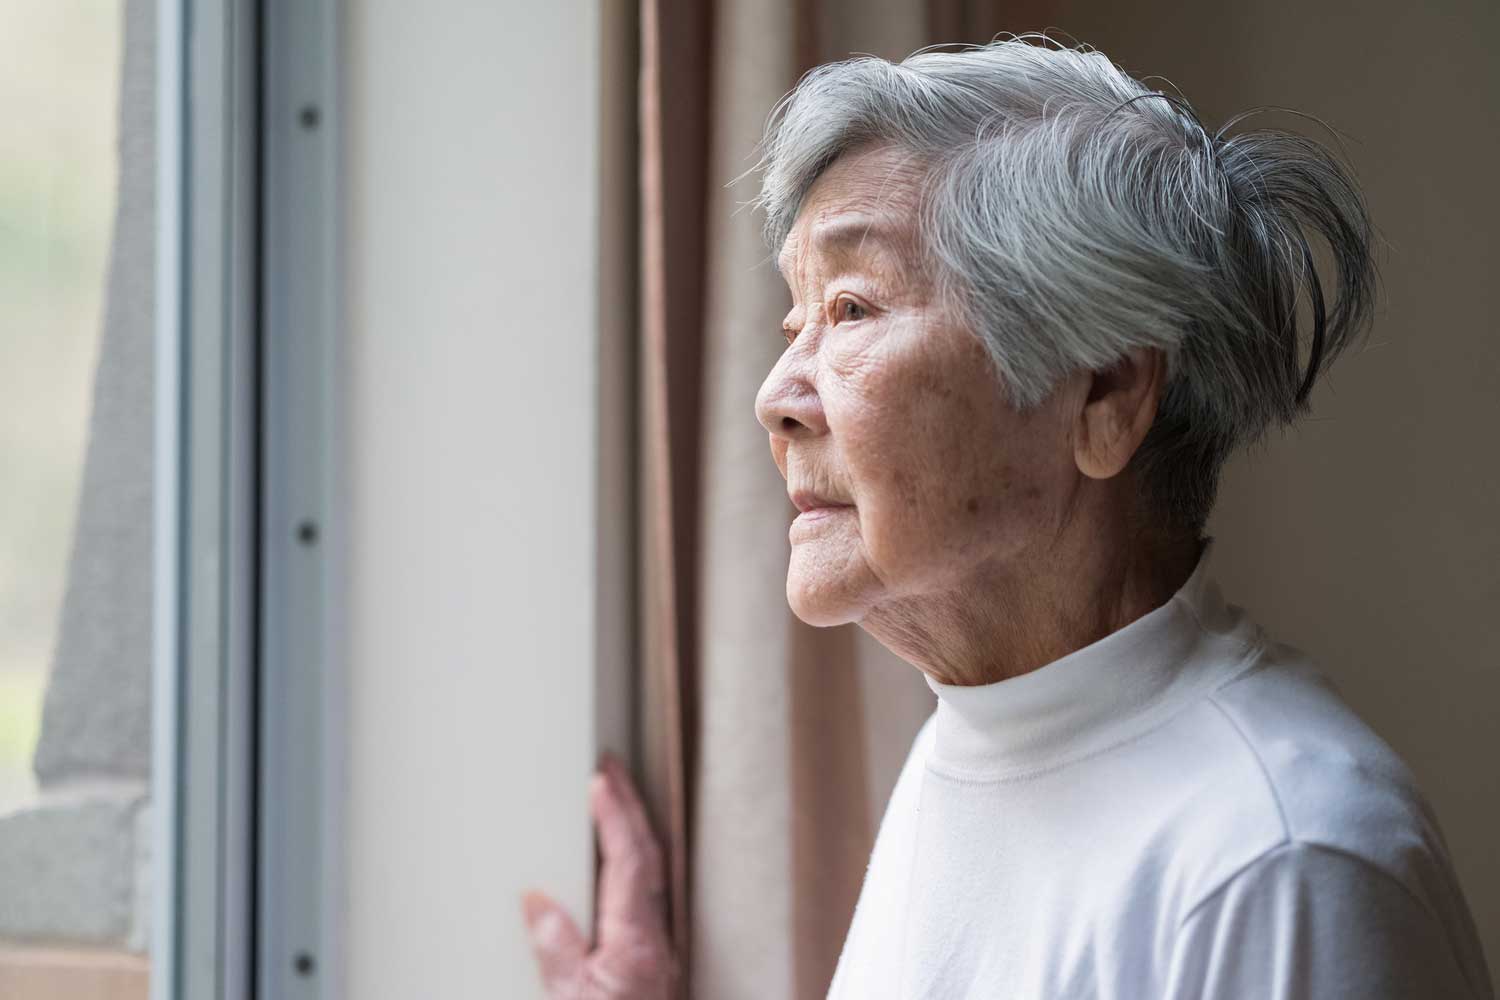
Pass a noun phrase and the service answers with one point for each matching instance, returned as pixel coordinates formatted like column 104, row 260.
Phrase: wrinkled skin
column 974, row 541
column 981, row 542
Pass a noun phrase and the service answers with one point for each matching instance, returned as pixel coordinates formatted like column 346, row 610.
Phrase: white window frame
column 243, row 676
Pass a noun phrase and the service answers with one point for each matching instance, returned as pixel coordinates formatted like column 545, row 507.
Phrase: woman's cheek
column 894, row 530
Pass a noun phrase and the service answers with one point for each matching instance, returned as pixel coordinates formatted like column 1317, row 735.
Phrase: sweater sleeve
column 1306, row 922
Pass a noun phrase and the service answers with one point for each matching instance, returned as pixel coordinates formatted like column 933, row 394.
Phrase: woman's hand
column 632, row 958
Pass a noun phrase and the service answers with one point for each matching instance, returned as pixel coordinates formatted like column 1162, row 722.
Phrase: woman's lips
column 808, row 500
column 821, row 511
column 815, row 515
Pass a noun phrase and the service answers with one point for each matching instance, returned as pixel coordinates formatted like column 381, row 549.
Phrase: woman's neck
column 999, row 622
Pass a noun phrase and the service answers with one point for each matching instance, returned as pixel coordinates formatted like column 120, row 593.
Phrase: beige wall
column 1369, row 535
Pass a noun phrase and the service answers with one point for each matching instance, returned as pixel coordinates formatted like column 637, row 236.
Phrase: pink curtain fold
column 673, row 110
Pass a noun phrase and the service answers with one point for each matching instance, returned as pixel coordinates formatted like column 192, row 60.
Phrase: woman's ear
column 1118, row 411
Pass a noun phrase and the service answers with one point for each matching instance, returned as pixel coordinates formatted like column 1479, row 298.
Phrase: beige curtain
column 768, row 748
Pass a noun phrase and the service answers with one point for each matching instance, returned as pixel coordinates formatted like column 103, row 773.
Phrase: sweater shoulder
column 1331, row 779
column 1273, row 757
column 1336, row 785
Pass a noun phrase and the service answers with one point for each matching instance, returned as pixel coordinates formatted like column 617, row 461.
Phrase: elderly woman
column 1035, row 306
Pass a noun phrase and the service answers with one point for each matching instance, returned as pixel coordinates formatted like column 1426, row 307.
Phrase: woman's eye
column 849, row 310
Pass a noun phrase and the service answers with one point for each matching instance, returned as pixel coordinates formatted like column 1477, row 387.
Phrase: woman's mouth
column 806, row 500
column 814, row 509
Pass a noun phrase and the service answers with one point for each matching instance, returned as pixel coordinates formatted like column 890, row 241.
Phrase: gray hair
column 1076, row 214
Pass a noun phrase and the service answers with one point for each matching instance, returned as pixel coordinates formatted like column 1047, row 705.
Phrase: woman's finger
column 630, row 881
column 557, row 942
column 635, row 809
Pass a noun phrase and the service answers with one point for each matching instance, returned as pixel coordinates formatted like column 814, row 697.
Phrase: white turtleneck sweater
column 1183, row 809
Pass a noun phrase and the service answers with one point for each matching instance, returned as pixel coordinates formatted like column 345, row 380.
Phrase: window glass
column 77, row 230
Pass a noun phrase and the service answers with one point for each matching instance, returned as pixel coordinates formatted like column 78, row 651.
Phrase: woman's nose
column 788, row 406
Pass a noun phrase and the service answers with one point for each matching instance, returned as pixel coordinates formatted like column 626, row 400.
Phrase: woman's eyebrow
column 850, row 237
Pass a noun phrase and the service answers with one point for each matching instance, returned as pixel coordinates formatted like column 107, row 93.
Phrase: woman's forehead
column 865, row 201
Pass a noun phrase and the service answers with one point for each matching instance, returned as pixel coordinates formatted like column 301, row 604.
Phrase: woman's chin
column 820, row 603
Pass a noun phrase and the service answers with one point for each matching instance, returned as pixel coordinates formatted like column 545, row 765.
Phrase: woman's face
column 885, row 406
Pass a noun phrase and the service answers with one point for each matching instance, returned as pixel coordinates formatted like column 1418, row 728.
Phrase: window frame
column 203, row 772
column 303, row 693
column 244, row 675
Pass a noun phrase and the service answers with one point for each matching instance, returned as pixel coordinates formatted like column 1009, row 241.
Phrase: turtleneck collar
column 1100, row 695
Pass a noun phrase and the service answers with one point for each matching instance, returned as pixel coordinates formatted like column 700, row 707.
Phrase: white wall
column 472, row 256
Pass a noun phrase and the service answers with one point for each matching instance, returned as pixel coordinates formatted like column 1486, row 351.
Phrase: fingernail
column 546, row 924
column 534, row 906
